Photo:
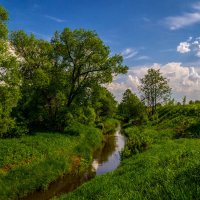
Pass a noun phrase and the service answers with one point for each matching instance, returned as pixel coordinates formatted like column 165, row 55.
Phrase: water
column 106, row 159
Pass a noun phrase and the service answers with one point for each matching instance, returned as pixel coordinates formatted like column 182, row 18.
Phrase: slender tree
column 154, row 89
column 184, row 100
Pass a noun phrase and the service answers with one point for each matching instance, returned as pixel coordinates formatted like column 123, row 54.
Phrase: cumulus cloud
column 183, row 80
column 183, row 47
column 190, row 45
column 184, row 20
column 129, row 53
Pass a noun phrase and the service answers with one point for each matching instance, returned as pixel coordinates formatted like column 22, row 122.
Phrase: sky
column 147, row 33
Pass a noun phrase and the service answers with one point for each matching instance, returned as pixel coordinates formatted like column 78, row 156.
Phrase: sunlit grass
column 168, row 169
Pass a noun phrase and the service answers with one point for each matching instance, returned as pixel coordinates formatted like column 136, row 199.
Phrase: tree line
column 48, row 85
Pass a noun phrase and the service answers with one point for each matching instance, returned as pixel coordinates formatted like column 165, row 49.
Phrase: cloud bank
column 184, row 80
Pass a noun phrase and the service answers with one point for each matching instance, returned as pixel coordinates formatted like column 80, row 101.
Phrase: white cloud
column 196, row 6
column 183, row 80
column 55, row 19
column 195, row 42
column 183, row 47
column 143, row 58
column 190, row 45
column 187, row 19
column 129, row 53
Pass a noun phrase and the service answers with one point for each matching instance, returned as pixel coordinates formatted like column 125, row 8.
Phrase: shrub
column 74, row 129
column 110, row 125
column 138, row 141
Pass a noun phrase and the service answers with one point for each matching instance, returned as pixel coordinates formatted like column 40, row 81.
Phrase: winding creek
column 105, row 159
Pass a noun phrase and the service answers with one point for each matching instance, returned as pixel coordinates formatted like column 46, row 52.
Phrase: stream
column 105, row 159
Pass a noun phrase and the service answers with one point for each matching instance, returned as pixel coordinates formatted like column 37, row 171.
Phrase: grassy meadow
column 160, row 160
column 32, row 162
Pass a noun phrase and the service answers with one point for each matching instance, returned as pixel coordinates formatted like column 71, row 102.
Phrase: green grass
column 167, row 168
column 32, row 162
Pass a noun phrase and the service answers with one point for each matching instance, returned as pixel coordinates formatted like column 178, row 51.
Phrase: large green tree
column 86, row 59
column 59, row 76
column 154, row 89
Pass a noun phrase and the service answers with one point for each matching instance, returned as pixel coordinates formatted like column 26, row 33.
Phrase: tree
column 40, row 100
column 85, row 58
column 9, row 79
column 59, row 76
column 154, row 89
column 184, row 100
column 3, row 26
column 131, row 107
column 103, row 102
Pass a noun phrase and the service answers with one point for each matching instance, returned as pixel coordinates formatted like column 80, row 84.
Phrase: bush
column 74, row 129
column 138, row 141
column 110, row 125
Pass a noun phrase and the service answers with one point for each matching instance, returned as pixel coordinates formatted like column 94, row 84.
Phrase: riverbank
column 160, row 161
column 105, row 159
column 32, row 162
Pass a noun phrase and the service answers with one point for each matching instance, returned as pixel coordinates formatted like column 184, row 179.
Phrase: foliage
column 109, row 125
column 61, row 79
column 3, row 27
column 184, row 100
column 131, row 107
column 183, row 119
column 154, row 89
column 39, row 102
column 86, row 60
column 9, row 80
column 137, row 142
column 103, row 102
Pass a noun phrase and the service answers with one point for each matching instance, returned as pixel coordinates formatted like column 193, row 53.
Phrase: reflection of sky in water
column 112, row 161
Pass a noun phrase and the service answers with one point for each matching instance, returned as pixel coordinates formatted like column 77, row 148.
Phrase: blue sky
column 145, row 32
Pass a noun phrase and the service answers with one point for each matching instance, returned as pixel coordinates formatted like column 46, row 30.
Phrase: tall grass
column 32, row 162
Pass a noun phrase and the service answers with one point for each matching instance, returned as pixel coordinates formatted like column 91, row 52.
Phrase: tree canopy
column 85, row 58
column 60, row 77
column 154, row 89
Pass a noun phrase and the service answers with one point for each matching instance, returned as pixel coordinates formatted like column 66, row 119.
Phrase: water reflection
column 108, row 158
